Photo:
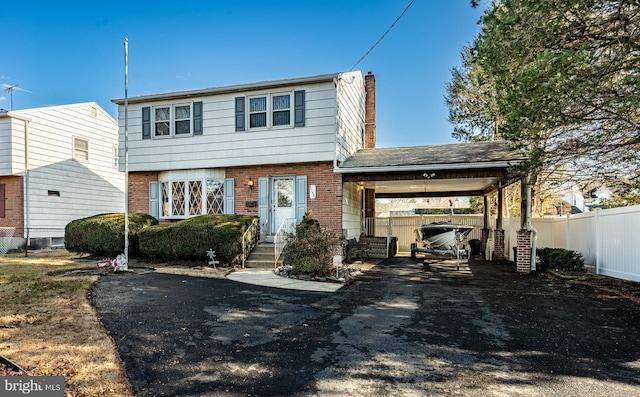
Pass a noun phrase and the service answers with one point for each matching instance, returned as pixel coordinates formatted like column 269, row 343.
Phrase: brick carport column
column 523, row 251
column 498, row 245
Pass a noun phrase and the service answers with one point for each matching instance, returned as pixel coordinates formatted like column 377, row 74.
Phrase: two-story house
column 268, row 149
column 57, row 164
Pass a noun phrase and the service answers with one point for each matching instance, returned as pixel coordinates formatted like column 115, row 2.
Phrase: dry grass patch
column 48, row 326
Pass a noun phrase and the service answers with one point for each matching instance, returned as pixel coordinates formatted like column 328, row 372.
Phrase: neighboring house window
column 80, row 149
column 182, row 199
column 270, row 110
column 116, row 158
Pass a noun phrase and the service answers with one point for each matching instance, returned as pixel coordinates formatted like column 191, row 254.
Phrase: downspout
column 534, row 232
column 335, row 135
column 26, row 173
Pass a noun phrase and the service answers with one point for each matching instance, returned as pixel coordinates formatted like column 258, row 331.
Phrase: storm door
column 282, row 201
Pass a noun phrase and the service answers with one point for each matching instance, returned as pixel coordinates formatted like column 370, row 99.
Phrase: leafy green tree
column 565, row 77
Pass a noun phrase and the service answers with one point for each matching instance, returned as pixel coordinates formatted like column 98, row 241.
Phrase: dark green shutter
column 154, row 208
column 229, row 196
column 146, row 123
column 197, row 118
column 298, row 108
column 240, row 113
column 301, row 197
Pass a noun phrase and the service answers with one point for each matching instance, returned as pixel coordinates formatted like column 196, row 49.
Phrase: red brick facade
column 523, row 257
column 326, row 207
column 13, row 203
column 498, row 245
column 139, row 190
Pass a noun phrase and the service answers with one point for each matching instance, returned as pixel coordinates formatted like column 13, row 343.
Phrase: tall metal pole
column 126, row 149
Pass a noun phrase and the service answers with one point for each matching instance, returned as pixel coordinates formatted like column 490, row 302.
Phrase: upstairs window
column 172, row 120
column 273, row 110
column 270, row 110
column 281, row 105
column 257, row 112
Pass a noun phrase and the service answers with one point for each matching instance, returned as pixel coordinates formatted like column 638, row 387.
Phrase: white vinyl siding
column 351, row 114
column 220, row 145
column 86, row 188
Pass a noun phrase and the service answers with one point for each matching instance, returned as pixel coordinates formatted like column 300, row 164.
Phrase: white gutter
column 430, row 167
column 26, row 122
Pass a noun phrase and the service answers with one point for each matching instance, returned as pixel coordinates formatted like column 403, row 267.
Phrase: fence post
column 597, row 233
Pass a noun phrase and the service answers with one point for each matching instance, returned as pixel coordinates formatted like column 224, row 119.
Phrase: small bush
column 191, row 238
column 308, row 266
column 559, row 258
column 311, row 242
column 103, row 235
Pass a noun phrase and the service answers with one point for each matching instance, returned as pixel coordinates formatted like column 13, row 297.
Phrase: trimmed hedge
column 103, row 235
column 191, row 238
column 559, row 258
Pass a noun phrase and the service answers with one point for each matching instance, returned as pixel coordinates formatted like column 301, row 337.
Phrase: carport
column 450, row 170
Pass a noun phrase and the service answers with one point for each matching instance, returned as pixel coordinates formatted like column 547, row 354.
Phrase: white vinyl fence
column 609, row 240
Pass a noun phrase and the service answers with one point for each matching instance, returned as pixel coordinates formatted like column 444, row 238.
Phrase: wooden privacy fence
column 609, row 240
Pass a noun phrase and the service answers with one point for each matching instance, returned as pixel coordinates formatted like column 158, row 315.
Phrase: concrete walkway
column 267, row 278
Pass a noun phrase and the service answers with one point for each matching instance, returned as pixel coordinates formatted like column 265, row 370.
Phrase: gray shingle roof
column 447, row 154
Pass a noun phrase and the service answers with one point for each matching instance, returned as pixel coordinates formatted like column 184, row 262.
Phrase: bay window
column 186, row 198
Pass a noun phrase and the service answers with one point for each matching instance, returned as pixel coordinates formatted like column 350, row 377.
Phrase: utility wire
column 385, row 33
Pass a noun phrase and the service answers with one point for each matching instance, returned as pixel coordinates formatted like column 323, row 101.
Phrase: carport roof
column 442, row 157
column 459, row 169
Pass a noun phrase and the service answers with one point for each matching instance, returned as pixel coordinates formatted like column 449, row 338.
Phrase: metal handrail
column 287, row 227
column 249, row 240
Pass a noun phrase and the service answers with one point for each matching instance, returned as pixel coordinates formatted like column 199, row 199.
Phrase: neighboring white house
column 267, row 149
column 57, row 164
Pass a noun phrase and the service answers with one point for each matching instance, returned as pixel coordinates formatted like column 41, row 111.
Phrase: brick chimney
column 370, row 111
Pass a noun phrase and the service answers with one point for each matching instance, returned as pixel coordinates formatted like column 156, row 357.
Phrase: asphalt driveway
column 399, row 329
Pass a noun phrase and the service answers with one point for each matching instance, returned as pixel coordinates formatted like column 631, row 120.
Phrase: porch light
column 250, row 183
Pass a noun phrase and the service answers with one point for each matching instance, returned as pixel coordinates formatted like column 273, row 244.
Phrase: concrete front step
column 261, row 257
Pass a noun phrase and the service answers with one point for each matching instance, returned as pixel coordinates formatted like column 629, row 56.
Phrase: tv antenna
column 10, row 89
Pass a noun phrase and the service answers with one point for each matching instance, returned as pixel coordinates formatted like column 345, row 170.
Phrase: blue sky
column 71, row 51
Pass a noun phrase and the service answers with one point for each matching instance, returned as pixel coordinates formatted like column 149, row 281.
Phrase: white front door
column 282, row 201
